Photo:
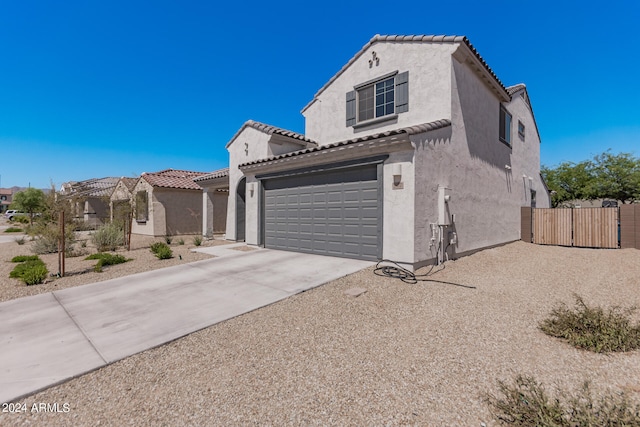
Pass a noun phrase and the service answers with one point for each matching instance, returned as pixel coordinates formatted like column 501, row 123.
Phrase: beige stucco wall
column 181, row 211
column 215, row 205
column 469, row 159
column 172, row 211
column 248, row 146
column 147, row 228
column 429, row 90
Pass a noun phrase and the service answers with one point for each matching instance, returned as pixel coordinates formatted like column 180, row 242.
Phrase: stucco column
column 205, row 211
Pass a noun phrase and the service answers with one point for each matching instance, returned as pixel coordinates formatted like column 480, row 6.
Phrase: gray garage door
column 333, row 213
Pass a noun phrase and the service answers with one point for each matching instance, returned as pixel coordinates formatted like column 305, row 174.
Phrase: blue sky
column 116, row 88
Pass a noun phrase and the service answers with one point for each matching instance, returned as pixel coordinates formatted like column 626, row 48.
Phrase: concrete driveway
column 49, row 338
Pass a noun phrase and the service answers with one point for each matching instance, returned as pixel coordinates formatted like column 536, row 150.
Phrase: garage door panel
column 333, row 213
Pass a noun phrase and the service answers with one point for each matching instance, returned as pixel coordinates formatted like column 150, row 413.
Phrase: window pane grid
column 376, row 100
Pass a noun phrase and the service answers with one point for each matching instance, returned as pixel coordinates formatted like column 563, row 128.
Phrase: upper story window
column 3, row 197
column 376, row 100
column 521, row 129
column 505, row 126
column 381, row 98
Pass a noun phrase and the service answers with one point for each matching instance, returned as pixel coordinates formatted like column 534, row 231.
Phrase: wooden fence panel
column 526, row 225
column 552, row 226
column 629, row 226
column 595, row 228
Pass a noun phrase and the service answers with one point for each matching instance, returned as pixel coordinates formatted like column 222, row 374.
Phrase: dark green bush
column 31, row 271
column 168, row 239
column 23, row 258
column 593, row 328
column 526, row 403
column 13, row 230
column 35, row 275
column 164, row 253
column 156, row 246
column 197, row 240
column 106, row 259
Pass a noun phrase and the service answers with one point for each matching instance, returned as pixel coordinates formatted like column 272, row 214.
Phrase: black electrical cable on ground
column 397, row 272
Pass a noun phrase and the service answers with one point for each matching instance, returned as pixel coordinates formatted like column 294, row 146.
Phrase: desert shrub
column 163, row 251
column 155, row 246
column 593, row 328
column 168, row 239
column 31, row 271
column 46, row 237
column 197, row 240
column 23, row 258
column 35, row 275
column 527, row 403
column 181, row 241
column 13, row 230
column 106, row 259
column 21, row 219
column 20, row 240
column 108, row 237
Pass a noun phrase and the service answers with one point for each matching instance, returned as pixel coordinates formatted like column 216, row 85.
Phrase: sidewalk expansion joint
column 80, row 328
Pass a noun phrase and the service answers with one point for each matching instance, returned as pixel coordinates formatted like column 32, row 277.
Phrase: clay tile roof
column 408, row 39
column 129, row 182
column 511, row 90
column 172, row 178
column 411, row 130
column 94, row 187
column 220, row 173
column 271, row 130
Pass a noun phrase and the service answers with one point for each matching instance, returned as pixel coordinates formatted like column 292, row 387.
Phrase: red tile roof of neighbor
column 172, row 178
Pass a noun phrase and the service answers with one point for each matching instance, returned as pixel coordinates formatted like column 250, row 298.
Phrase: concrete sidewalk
column 49, row 338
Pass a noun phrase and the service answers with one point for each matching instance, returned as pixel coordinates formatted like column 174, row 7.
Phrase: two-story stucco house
column 413, row 151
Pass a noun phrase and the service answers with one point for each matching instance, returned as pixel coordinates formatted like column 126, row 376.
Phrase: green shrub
column 23, row 258
column 164, row 252
column 197, row 240
column 181, row 241
column 35, row 275
column 31, row 271
column 593, row 328
column 106, row 259
column 13, row 230
column 168, row 239
column 155, row 246
column 108, row 237
column 526, row 403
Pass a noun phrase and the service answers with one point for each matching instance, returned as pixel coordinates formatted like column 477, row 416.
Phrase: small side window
column 505, row 126
column 142, row 206
column 521, row 129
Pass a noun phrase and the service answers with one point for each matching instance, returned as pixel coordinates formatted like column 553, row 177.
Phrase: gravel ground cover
column 399, row 354
column 80, row 271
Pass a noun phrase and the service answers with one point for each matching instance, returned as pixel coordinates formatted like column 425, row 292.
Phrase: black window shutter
column 402, row 92
column 351, row 108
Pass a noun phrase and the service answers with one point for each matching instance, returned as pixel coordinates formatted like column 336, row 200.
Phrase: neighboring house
column 6, row 195
column 122, row 197
column 90, row 199
column 167, row 203
column 215, row 194
column 413, row 151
